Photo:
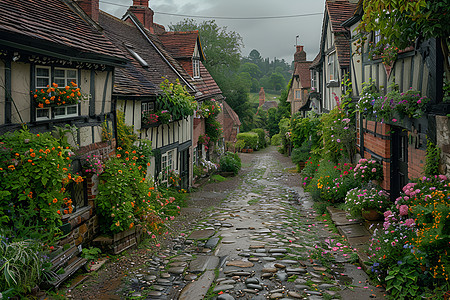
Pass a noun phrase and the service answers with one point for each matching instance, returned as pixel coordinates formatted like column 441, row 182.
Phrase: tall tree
column 222, row 48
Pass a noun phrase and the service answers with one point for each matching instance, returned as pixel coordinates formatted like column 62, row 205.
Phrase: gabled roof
column 181, row 44
column 316, row 60
column 55, row 27
column 134, row 79
column 339, row 11
column 231, row 113
column 302, row 71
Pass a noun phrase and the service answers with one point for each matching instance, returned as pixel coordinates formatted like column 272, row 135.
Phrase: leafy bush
column 276, row 140
column 176, row 99
column 305, row 129
column 358, row 199
column 261, row 137
column 21, row 265
column 213, row 129
column 367, row 170
column 35, row 172
column 301, row 154
column 230, row 162
column 250, row 139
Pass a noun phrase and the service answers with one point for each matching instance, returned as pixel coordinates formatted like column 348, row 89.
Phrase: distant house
column 400, row 144
column 137, row 87
column 230, row 124
column 186, row 48
column 333, row 61
column 300, row 83
column 263, row 104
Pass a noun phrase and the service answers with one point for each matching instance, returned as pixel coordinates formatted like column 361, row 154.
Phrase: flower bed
column 55, row 96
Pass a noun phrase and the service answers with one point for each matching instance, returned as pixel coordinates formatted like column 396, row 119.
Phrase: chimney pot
column 299, row 48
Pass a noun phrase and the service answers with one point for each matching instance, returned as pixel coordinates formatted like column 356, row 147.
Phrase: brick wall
column 84, row 222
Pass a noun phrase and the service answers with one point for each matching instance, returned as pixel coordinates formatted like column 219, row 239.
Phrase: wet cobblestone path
column 263, row 242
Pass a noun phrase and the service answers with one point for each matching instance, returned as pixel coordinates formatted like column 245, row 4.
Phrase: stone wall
column 443, row 142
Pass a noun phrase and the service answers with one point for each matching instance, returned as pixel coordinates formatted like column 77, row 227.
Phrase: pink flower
column 410, row 222
column 374, row 170
column 387, row 213
column 403, row 210
column 394, row 120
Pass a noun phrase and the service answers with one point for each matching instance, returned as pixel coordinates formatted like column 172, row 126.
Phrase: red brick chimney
column 143, row 12
column 90, row 7
column 299, row 55
column 262, row 97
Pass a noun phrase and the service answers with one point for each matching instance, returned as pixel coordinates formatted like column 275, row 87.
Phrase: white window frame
column 297, row 92
column 313, row 79
column 67, row 80
column 51, row 110
column 332, row 67
column 196, row 67
column 167, row 163
column 49, row 77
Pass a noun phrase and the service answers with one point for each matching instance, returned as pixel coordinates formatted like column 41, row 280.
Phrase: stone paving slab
column 340, row 219
column 198, row 289
column 202, row 263
column 354, row 230
column 201, row 234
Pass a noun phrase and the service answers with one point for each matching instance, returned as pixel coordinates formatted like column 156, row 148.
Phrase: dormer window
column 196, row 67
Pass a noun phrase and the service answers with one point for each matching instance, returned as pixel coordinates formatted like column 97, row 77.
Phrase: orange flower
column 33, row 154
column 30, row 161
column 59, row 212
column 55, row 200
column 47, row 101
column 149, row 194
column 66, row 212
column 118, row 155
column 41, row 105
column 67, row 87
column 131, row 225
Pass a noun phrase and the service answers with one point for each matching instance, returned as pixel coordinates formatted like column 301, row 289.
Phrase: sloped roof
column 54, row 26
column 134, row 79
column 302, row 70
column 339, row 11
column 181, row 44
column 231, row 113
column 316, row 60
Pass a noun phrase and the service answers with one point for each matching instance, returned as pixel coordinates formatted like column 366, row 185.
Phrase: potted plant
column 368, row 203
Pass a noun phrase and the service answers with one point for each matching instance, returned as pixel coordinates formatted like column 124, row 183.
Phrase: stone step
column 203, row 263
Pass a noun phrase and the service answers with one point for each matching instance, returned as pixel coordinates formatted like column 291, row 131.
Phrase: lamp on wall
column 16, row 56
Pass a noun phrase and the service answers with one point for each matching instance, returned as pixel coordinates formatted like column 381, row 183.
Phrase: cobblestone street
column 264, row 241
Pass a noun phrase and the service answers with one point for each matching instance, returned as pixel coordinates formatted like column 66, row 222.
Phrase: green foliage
column 250, row 140
column 432, row 159
column 358, row 199
column 213, row 129
column 21, row 265
column 176, row 100
column 305, row 129
column 272, row 121
column 301, row 154
column 338, row 135
column 261, row 137
column 230, row 162
column 285, row 126
column 125, row 133
column 209, row 109
column 402, row 281
column 91, row 253
column 35, row 173
column 276, row 140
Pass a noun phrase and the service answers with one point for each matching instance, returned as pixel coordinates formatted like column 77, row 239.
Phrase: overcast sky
column 271, row 37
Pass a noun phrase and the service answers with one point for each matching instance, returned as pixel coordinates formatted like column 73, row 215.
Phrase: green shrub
column 261, row 137
column 21, row 265
column 250, row 139
column 301, row 154
column 276, row 140
column 230, row 162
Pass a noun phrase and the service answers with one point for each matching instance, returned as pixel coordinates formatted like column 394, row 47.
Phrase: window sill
column 333, row 83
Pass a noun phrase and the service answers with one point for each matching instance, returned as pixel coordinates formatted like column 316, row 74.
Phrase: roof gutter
column 159, row 52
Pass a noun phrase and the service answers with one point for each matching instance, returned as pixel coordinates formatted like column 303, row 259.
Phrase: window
column 148, row 106
column 167, row 163
column 196, row 67
column 297, row 94
column 332, row 67
column 313, row 80
column 42, row 77
column 62, row 77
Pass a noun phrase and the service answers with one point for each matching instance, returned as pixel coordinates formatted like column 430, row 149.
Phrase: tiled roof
column 316, row 60
column 231, row 113
column 342, row 49
column 339, row 11
column 302, row 70
column 135, row 80
column 180, row 44
column 55, row 26
column 206, row 84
